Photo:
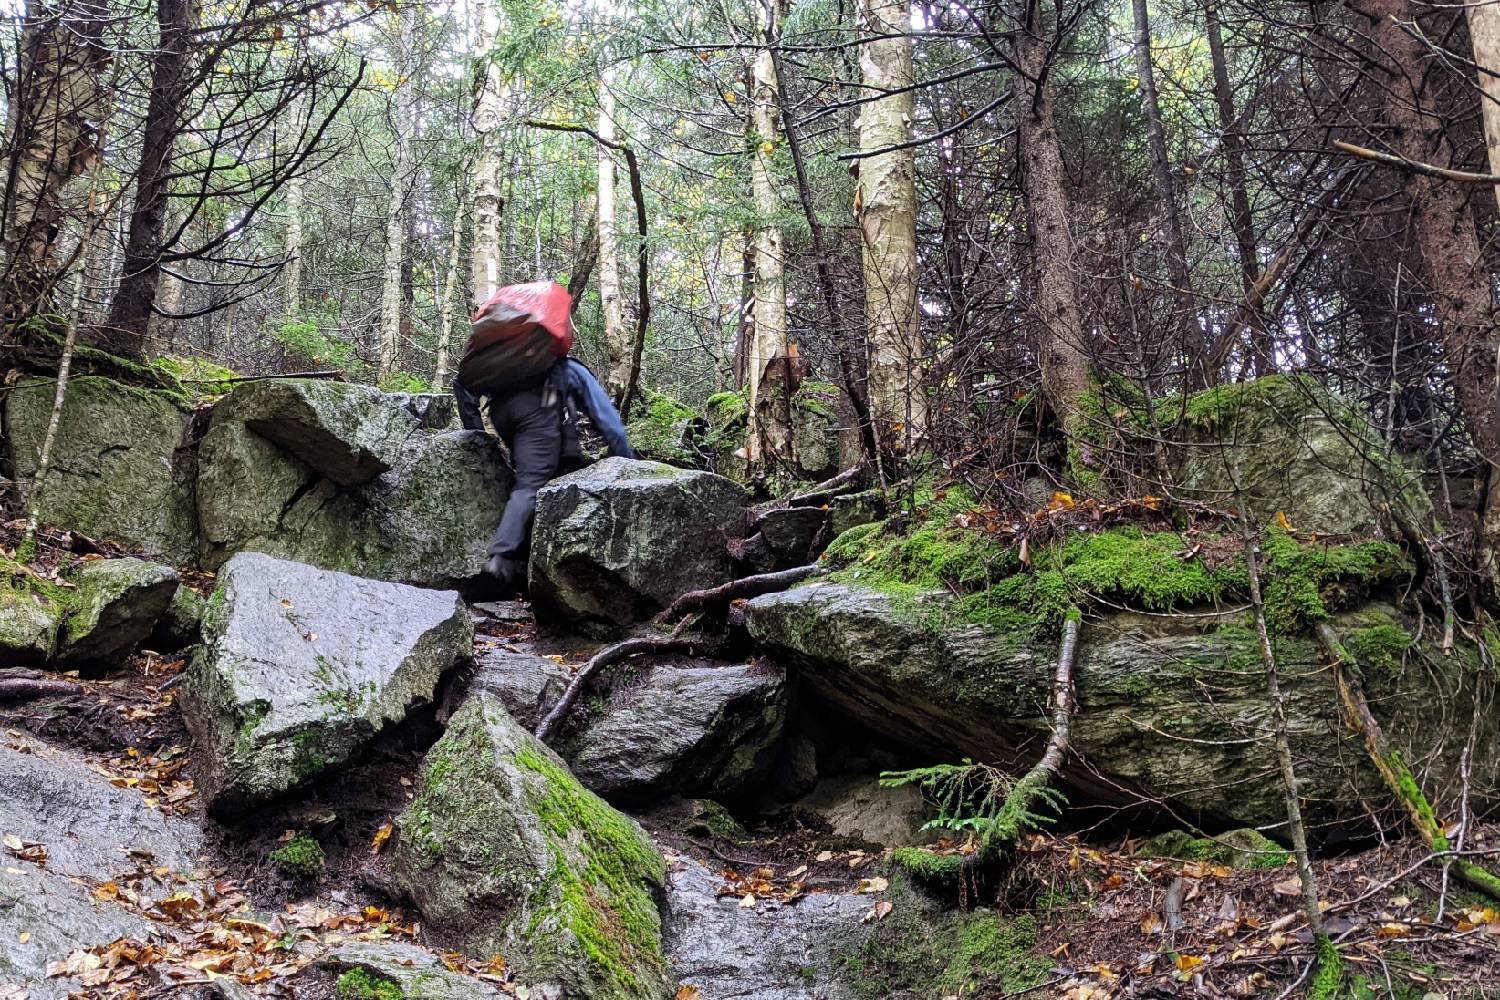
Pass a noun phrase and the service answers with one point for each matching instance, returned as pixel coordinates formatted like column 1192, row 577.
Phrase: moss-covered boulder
column 393, row 970
column 347, row 434
column 693, row 728
column 1283, row 443
column 504, row 852
column 300, row 668
column 120, row 466
column 1174, row 708
column 664, row 430
column 115, row 605
column 426, row 520
column 30, row 612
column 614, row 543
column 820, row 416
column 728, row 415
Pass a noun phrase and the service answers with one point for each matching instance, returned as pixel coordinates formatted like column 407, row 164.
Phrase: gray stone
column 116, row 605
column 178, row 627
column 858, row 807
column 527, row 685
column 346, row 433
column 435, row 411
column 692, row 728
column 118, row 471
column 29, row 620
column 853, row 509
column 617, row 541
column 416, row 973
column 426, row 521
column 1167, row 706
column 87, row 826
column 505, row 612
column 505, row 853
column 791, row 531
column 300, row 668
column 796, row 771
column 776, row 951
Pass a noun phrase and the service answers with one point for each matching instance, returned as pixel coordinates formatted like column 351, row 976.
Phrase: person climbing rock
column 517, row 356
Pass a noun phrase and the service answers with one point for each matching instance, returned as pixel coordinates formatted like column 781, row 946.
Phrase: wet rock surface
column 116, row 605
column 301, row 667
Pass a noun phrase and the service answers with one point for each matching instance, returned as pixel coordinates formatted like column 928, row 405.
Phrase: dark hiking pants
column 533, row 433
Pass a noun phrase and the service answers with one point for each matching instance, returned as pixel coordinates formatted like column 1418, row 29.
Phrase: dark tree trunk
column 124, row 331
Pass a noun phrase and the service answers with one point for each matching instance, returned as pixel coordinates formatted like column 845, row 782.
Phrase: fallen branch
column 21, row 685
column 1027, row 795
column 1392, row 766
column 748, row 586
column 1416, row 166
column 332, row 373
column 824, row 490
column 609, row 654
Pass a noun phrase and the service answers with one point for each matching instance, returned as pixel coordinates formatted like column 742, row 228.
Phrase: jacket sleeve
column 588, row 393
column 468, row 407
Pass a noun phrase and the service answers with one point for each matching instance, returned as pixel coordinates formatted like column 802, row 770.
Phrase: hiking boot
column 508, row 572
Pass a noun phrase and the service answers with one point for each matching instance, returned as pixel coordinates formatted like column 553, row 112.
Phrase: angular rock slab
column 116, row 605
column 527, row 685
column 415, row 973
column 1165, row 705
column 87, row 825
column 504, row 852
column 426, row 521
column 119, row 465
column 692, row 728
column 300, row 668
column 615, row 543
column 794, row 951
column 347, row 433
column 28, row 624
column 179, row 627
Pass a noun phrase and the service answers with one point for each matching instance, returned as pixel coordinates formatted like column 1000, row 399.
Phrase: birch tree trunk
column 489, row 98
column 1240, row 218
column 1449, row 242
column 392, row 285
column 59, row 100
column 770, row 433
column 885, row 203
column 292, row 272
column 1484, row 36
column 451, row 282
column 1061, row 340
column 1167, row 192
column 616, row 336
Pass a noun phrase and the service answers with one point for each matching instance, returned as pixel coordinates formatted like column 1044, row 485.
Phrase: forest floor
column 1110, row 922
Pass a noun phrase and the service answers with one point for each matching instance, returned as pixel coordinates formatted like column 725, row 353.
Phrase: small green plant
column 975, row 797
column 357, row 984
column 301, row 857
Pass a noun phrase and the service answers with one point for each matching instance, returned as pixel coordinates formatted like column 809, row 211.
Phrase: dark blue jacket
column 572, row 380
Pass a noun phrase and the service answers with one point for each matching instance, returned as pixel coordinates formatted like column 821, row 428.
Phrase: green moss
column 606, row 904
column 1304, row 583
column 660, row 429
column 357, row 984
column 925, row 866
column 300, row 858
column 1378, row 647
column 1243, row 848
column 200, row 378
column 1328, row 976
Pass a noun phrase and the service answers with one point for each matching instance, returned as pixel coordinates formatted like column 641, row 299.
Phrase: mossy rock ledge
column 300, row 668
column 1168, row 707
column 504, row 852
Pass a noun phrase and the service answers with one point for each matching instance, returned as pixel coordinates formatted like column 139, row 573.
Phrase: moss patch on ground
column 944, row 546
column 300, row 858
column 357, row 984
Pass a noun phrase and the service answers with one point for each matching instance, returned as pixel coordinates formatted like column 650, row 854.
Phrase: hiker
column 518, row 357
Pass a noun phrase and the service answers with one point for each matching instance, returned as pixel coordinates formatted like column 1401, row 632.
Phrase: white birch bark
column 391, row 299
column 489, row 99
column 886, row 206
column 616, row 337
column 769, row 437
column 1484, row 36
column 450, row 290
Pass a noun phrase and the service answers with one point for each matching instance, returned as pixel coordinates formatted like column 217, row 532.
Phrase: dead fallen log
column 747, row 586
column 19, row 684
column 1392, row 767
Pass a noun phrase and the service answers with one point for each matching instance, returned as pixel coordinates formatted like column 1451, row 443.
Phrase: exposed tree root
column 1392, row 766
column 19, row 684
column 748, row 586
column 609, row 654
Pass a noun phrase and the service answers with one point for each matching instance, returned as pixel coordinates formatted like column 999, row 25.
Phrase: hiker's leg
column 535, row 447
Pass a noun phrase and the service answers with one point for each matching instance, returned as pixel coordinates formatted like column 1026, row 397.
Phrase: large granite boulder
column 301, row 667
column 1283, row 443
column 504, row 852
column 120, row 465
column 348, row 434
column 90, row 830
column 692, row 728
column 424, row 517
column 614, row 543
column 1172, row 708
column 30, row 613
column 115, row 607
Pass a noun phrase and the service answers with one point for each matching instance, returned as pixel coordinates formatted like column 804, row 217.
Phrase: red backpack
column 517, row 336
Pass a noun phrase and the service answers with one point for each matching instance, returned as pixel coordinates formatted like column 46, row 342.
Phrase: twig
column 825, row 489
column 334, row 373
column 1416, row 166
column 748, row 586
column 609, row 654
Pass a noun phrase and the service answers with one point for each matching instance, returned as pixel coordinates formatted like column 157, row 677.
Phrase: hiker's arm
column 468, row 408
column 601, row 411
